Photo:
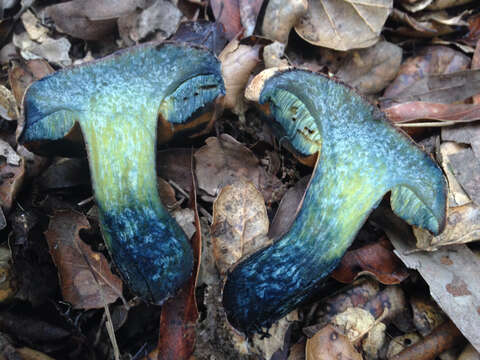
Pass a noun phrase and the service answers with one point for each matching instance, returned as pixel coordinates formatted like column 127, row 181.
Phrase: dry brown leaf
column 451, row 273
column 30, row 354
column 372, row 69
column 445, row 4
column 12, row 174
column 466, row 168
column 228, row 14
column 456, row 195
column 375, row 259
column 175, row 164
column 413, row 72
column 354, row 323
column 399, row 343
column 65, row 173
column 449, row 114
column 85, row 277
column 344, row 24
column 238, row 61
column 240, row 224
column 463, row 226
column 281, row 16
column 330, row 344
column 464, row 134
column 202, row 32
column 224, row 160
column 8, row 106
column 426, row 315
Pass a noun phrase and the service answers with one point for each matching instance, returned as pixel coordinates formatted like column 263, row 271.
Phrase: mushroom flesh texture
column 360, row 158
column 117, row 102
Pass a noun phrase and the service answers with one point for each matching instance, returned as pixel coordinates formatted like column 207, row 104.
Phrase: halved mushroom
column 116, row 102
column 360, row 158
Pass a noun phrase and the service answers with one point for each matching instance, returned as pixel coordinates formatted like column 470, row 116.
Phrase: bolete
column 116, row 103
column 361, row 157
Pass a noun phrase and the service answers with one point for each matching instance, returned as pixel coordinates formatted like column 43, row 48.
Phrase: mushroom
column 360, row 158
column 115, row 102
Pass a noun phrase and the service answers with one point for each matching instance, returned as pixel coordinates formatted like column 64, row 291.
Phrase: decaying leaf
column 12, row 173
column 376, row 259
column 53, row 50
column 8, row 106
column 466, row 168
column 33, row 26
column 371, row 70
column 414, row 72
column 238, row 61
column 426, row 315
column 281, row 16
column 456, row 195
column 445, row 4
column 354, row 323
column 175, row 164
column 228, row 14
column 240, row 224
column 400, row 343
column 65, row 173
column 85, row 276
column 442, row 338
column 202, row 32
column 388, row 305
column 330, row 344
column 463, row 226
column 343, row 24
column 374, row 341
column 451, row 274
column 464, row 134
column 224, row 160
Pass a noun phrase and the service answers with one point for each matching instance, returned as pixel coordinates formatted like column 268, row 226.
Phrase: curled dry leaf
column 463, row 226
column 238, row 61
column 330, row 344
column 421, row 110
column 354, row 323
column 281, row 16
column 228, row 160
column 240, row 224
column 375, row 259
column 371, row 70
column 343, row 24
column 414, row 72
column 85, row 277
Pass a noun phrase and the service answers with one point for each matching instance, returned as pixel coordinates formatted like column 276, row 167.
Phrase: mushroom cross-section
column 117, row 102
column 360, row 158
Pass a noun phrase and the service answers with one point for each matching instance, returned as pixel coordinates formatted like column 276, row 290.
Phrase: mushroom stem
column 361, row 158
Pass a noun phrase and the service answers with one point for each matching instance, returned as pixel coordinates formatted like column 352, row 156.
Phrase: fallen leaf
column 371, row 70
column 456, row 195
column 175, row 164
column 159, row 20
column 90, row 19
column 469, row 353
column 288, row 209
column 344, row 24
column 30, row 354
column 388, row 305
column 415, row 5
column 65, row 173
column 8, row 282
column 426, row 314
column 85, row 277
column 375, row 259
column 466, row 168
column 12, row 174
column 280, row 16
column 454, row 284
column 354, row 323
column 464, row 134
column 330, row 344
column 413, row 72
column 249, row 10
column 463, row 226
column 223, row 160
column 21, row 75
column 442, row 338
column 238, row 61
column 473, row 30
column 201, row 32
column 445, row 4
column 227, row 13
column 8, row 106
column 374, row 341
column 449, row 114
column 33, row 26
column 53, row 50
column 240, row 224
column 476, row 65
column 400, row 343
